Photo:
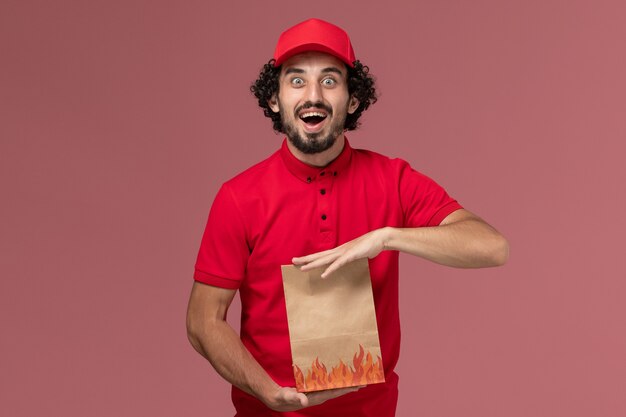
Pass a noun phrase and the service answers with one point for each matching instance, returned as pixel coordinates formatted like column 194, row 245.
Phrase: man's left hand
column 368, row 245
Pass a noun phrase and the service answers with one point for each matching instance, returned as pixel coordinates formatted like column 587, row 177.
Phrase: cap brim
column 308, row 47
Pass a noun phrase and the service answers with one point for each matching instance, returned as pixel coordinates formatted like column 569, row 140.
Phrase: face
column 313, row 100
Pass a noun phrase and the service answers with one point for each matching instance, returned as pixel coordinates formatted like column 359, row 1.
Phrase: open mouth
column 313, row 119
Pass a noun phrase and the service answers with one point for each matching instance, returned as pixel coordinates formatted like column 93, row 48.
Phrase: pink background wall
column 120, row 119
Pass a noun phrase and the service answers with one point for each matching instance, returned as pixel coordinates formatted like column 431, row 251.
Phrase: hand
column 288, row 399
column 368, row 245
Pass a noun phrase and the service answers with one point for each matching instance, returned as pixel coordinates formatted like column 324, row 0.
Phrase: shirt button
column 335, row 173
column 323, row 217
column 322, row 173
column 308, row 179
column 322, row 191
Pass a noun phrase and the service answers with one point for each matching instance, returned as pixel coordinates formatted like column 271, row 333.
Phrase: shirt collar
column 308, row 173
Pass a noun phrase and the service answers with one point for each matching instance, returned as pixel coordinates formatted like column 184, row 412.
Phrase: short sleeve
column 224, row 251
column 424, row 202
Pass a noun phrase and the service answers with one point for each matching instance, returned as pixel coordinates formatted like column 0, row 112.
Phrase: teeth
column 312, row 113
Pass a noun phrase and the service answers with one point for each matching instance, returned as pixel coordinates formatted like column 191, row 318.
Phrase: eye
column 297, row 81
column 328, row 82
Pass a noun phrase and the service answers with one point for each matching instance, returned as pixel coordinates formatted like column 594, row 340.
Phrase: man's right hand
column 288, row 399
column 213, row 338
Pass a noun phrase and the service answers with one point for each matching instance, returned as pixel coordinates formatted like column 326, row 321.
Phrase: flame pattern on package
column 365, row 370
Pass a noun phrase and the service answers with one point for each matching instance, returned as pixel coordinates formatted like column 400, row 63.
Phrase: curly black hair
column 360, row 85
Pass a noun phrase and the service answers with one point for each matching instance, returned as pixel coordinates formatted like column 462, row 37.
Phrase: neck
column 319, row 159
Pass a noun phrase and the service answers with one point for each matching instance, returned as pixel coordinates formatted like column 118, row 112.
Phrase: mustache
column 310, row 104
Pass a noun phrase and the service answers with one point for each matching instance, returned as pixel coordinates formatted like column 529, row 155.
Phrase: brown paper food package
column 332, row 327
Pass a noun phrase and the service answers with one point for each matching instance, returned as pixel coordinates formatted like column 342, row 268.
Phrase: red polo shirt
column 281, row 208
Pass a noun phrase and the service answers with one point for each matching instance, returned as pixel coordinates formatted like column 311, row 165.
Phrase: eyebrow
column 294, row 70
column 332, row 69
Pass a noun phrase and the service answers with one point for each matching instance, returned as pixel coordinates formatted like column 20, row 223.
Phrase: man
column 317, row 202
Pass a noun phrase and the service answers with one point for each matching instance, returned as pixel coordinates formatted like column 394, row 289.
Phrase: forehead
column 313, row 62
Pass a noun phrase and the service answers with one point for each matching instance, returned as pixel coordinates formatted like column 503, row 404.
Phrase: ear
column 273, row 103
column 353, row 104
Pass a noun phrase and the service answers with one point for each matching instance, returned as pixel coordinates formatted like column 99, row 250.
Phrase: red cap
column 314, row 35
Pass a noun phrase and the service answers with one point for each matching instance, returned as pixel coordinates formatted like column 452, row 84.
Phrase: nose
column 314, row 92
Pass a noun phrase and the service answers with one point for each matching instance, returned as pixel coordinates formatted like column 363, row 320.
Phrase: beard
column 314, row 142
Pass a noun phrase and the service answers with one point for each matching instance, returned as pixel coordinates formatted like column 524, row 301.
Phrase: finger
column 308, row 258
column 304, row 400
column 328, row 259
column 335, row 392
column 319, row 397
column 350, row 389
column 338, row 263
column 331, row 268
column 292, row 398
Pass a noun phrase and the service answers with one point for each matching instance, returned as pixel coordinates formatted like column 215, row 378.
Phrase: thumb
column 292, row 396
column 304, row 400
